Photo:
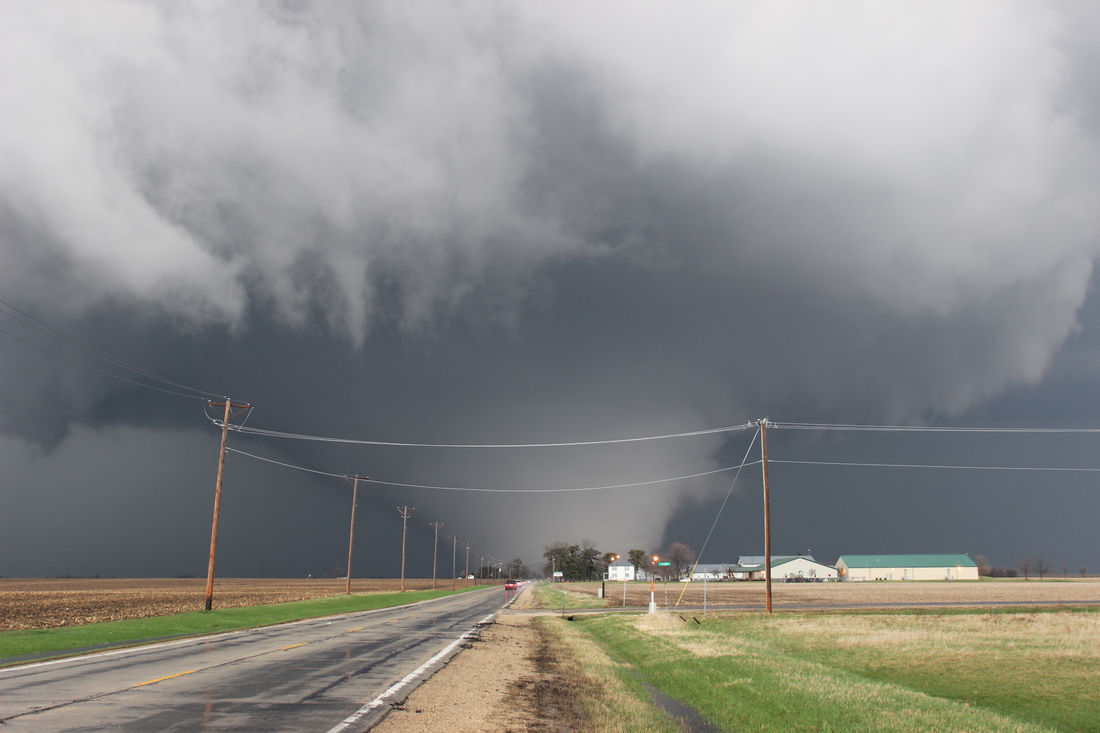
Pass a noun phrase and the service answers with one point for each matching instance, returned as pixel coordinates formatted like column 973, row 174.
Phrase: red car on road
column 510, row 585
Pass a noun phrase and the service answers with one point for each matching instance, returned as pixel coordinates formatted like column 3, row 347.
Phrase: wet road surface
column 309, row 675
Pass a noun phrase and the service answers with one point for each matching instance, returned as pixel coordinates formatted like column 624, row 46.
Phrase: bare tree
column 984, row 568
column 681, row 556
column 1042, row 566
column 1083, row 570
column 1025, row 567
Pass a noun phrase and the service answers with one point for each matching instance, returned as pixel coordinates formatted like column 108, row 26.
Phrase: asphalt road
column 337, row 673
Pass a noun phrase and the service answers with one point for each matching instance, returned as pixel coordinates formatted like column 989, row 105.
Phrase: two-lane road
column 310, row 675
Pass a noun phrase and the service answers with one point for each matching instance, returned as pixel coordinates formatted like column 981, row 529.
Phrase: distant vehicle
column 510, row 585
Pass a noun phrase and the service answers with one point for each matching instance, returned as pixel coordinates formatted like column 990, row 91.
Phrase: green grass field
column 897, row 671
column 57, row 642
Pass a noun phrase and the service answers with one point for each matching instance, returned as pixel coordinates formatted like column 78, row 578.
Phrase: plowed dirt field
column 37, row 603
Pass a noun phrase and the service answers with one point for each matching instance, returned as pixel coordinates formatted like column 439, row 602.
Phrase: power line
column 97, row 369
column 841, row 427
column 492, row 490
column 28, row 321
column 935, row 466
column 264, row 432
column 714, row 524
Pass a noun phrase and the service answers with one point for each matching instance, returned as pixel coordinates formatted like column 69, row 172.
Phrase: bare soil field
column 869, row 593
column 42, row 603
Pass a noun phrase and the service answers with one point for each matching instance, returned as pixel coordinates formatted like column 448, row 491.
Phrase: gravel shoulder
column 509, row 679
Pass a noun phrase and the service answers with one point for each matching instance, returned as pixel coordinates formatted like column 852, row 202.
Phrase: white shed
column 712, row 571
column 802, row 569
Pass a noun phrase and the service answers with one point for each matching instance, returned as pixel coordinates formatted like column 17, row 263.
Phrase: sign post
column 666, row 564
column 652, row 579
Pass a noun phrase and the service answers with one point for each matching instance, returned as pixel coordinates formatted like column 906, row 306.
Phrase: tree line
column 584, row 561
column 1027, row 565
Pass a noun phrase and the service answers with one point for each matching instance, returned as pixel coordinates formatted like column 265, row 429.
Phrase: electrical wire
column 491, row 490
column 935, row 466
column 97, row 369
column 28, row 321
column 699, row 557
column 267, row 433
column 841, row 427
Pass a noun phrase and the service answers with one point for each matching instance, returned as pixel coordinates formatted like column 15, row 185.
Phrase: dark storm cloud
column 484, row 222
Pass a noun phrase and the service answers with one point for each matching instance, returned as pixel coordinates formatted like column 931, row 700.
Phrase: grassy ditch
column 868, row 671
column 610, row 698
column 59, row 641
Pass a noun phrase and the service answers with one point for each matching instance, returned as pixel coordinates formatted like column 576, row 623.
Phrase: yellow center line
column 301, row 643
column 162, row 679
column 359, row 629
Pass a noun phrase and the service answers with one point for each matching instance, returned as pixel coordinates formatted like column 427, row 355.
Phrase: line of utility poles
column 229, row 405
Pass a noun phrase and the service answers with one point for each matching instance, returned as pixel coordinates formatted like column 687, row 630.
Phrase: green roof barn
column 906, row 567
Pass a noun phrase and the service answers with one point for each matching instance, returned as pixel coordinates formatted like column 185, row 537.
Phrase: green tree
column 638, row 558
column 556, row 555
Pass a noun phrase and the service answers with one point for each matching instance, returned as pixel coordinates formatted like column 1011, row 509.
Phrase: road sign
column 558, row 573
column 664, row 563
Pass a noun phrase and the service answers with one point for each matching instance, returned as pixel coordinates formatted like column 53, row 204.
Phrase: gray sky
column 514, row 223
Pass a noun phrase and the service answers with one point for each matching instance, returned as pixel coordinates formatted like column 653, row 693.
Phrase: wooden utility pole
column 351, row 532
column 767, row 515
column 435, row 552
column 454, row 562
column 404, row 511
column 466, row 575
column 228, row 404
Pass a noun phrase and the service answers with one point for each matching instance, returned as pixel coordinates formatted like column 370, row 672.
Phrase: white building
column 802, row 569
column 906, row 567
column 713, row 571
column 620, row 570
column 751, row 567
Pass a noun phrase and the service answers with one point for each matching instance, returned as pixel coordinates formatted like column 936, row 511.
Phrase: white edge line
column 202, row 639
column 399, row 686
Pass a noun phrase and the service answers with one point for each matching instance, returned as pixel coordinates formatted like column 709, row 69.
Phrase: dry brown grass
column 41, row 603
column 885, row 593
column 591, row 676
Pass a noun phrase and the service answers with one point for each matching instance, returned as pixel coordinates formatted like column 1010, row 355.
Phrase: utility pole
column 435, row 552
column 767, row 515
column 466, row 575
column 229, row 405
column 454, row 563
column 351, row 533
column 404, row 511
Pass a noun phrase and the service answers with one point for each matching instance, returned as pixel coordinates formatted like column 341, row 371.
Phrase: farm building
column 713, row 571
column 751, row 567
column 802, row 569
column 906, row 567
column 620, row 570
